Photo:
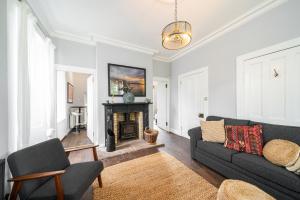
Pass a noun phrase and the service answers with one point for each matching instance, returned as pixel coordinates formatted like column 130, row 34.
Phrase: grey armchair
column 43, row 171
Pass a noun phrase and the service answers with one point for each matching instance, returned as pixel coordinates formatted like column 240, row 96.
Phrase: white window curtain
column 31, row 80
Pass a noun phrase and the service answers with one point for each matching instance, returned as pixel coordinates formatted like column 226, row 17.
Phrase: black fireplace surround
column 127, row 108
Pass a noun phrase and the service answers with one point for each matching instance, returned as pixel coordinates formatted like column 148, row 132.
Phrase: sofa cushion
column 229, row 121
column 43, row 157
column 271, row 131
column 76, row 180
column 245, row 139
column 213, row 131
column 263, row 168
column 216, row 149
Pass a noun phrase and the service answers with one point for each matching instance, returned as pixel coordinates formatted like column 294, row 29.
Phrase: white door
column 193, row 99
column 267, row 88
column 90, row 107
column 162, row 104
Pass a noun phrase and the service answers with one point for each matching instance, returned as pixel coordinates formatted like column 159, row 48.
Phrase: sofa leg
column 100, row 181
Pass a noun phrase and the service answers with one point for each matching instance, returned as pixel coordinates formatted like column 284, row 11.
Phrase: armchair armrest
column 36, row 176
column 82, row 147
column 20, row 179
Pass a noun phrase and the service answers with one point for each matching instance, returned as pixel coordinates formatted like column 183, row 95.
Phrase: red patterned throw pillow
column 244, row 138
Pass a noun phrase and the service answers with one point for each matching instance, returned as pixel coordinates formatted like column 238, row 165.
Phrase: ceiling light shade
column 176, row 35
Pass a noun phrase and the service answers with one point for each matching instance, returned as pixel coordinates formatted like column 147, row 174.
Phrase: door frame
column 180, row 77
column 83, row 70
column 158, row 78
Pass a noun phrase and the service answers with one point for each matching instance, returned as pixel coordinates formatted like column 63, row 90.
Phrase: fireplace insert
column 128, row 128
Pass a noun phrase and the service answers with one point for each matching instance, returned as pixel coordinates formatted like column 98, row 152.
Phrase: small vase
column 128, row 97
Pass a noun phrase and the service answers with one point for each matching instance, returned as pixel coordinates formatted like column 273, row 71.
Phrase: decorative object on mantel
column 150, row 135
column 177, row 34
column 148, row 100
column 128, row 97
column 132, row 77
column 110, row 143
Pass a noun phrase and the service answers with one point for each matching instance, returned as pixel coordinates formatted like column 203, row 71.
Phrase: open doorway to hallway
column 161, row 102
column 76, row 104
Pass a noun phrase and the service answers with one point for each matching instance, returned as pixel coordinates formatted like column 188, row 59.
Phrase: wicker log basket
column 150, row 135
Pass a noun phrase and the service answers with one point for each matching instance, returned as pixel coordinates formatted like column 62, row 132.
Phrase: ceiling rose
column 177, row 34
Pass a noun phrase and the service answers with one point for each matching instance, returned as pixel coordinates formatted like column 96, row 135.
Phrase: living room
column 179, row 99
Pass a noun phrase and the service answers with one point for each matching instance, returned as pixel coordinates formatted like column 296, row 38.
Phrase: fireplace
column 127, row 121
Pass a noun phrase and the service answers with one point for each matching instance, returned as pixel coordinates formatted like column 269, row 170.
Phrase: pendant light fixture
column 177, row 34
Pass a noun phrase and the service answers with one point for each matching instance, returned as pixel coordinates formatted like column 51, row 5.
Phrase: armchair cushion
column 76, row 181
column 42, row 157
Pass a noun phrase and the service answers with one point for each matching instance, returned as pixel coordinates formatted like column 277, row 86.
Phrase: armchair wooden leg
column 59, row 188
column 100, row 181
column 15, row 190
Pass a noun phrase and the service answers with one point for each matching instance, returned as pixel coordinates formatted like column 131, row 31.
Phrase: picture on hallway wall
column 70, row 92
column 120, row 76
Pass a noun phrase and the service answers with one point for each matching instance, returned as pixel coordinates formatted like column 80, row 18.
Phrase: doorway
column 76, row 108
column 193, row 99
column 161, row 102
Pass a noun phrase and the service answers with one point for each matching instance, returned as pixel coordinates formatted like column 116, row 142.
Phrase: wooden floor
column 175, row 145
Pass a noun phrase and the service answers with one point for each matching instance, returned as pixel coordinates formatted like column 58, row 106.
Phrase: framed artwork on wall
column 70, row 93
column 132, row 77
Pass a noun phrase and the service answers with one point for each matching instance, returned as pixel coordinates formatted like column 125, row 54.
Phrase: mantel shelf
column 118, row 104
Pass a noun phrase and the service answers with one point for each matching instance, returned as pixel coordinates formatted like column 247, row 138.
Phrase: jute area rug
column 156, row 176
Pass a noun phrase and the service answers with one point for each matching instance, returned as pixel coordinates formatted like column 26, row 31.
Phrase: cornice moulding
column 241, row 20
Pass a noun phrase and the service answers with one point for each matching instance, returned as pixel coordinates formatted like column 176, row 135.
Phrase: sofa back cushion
column 229, row 121
column 43, row 157
column 271, row 131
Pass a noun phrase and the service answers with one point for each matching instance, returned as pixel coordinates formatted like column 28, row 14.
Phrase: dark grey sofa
column 50, row 156
column 254, row 169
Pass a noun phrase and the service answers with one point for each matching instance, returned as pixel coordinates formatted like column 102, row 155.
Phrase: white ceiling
column 138, row 22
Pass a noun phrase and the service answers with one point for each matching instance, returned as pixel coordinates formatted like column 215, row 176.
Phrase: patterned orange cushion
column 244, row 138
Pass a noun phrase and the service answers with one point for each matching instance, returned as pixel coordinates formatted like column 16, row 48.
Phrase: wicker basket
column 151, row 135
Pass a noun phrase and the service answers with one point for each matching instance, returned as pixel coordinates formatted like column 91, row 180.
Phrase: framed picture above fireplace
column 121, row 75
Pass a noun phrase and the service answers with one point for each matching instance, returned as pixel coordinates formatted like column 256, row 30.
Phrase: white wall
column 161, row 69
column 74, row 54
column 278, row 25
column 111, row 54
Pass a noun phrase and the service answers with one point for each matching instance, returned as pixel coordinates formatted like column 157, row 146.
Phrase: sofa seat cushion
column 216, row 149
column 76, row 181
column 263, row 168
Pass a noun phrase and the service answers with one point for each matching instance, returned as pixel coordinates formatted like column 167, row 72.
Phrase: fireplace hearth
column 127, row 120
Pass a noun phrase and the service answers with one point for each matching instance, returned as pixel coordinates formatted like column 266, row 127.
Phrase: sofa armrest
column 195, row 133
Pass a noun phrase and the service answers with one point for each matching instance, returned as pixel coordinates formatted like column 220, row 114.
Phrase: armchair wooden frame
column 17, row 181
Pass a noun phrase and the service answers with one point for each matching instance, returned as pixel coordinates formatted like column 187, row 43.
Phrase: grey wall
column 161, row 69
column 277, row 25
column 3, row 81
column 74, row 54
column 3, row 85
column 111, row 54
